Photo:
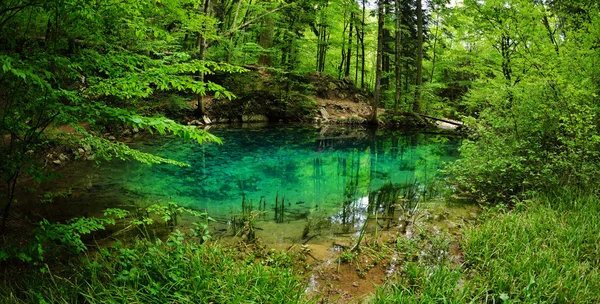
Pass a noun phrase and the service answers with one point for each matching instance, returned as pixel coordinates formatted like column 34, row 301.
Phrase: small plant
column 347, row 256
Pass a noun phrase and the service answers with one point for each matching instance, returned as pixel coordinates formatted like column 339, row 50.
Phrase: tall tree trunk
column 356, row 56
column 380, row 24
column 362, row 46
column 435, row 39
column 349, row 53
column 385, row 59
column 202, row 46
column 233, row 26
column 343, row 60
column 398, row 96
column 419, row 63
column 266, row 41
column 10, row 195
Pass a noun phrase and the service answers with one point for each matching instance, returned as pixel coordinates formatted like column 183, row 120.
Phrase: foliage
column 533, row 106
column 86, row 65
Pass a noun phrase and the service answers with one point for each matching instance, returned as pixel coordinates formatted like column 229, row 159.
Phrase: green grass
column 171, row 272
column 546, row 251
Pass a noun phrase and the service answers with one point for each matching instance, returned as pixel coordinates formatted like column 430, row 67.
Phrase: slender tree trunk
column 322, row 45
column 233, row 25
column 10, row 189
column 343, row 60
column 356, row 56
column 398, row 96
column 385, row 59
column 380, row 24
column 419, row 63
column 202, row 46
column 435, row 39
column 266, row 41
column 362, row 46
column 349, row 53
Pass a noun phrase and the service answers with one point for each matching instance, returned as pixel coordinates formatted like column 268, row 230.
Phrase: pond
column 303, row 182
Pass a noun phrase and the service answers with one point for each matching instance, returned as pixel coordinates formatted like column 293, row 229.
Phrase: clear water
column 312, row 170
column 333, row 176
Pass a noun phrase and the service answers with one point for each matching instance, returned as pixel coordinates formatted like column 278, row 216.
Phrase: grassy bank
column 547, row 250
column 175, row 271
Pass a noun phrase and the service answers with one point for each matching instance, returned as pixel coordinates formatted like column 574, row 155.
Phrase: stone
column 63, row 157
column 206, row 120
column 57, row 162
column 135, row 130
column 91, row 157
column 111, row 138
column 324, row 113
column 80, row 151
column 355, row 284
column 254, row 118
column 126, row 133
column 87, row 148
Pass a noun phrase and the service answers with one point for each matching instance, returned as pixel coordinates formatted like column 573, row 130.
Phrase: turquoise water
column 327, row 172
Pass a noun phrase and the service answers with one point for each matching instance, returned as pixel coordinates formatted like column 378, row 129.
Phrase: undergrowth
column 544, row 251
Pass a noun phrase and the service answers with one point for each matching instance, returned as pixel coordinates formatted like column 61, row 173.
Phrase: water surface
column 332, row 177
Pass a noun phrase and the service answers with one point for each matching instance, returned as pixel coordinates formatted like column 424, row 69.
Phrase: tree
column 419, row 61
column 77, row 64
column 376, row 95
column 398, row 70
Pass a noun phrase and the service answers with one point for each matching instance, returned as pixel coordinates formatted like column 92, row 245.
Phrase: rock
column 355, row 284
column 254, row 118
column 135, row 130
column 87, row 148
column 324, row 113
column 80, row 151
column 111, row 138
column 57, row 162
column 91, row 157
column 126, row 133
column 63, row 157
column 206, row 120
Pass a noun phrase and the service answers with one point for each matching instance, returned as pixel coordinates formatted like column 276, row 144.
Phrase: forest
column 128, row 140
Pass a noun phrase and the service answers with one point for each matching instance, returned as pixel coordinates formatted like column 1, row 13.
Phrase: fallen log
column 456, row 123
